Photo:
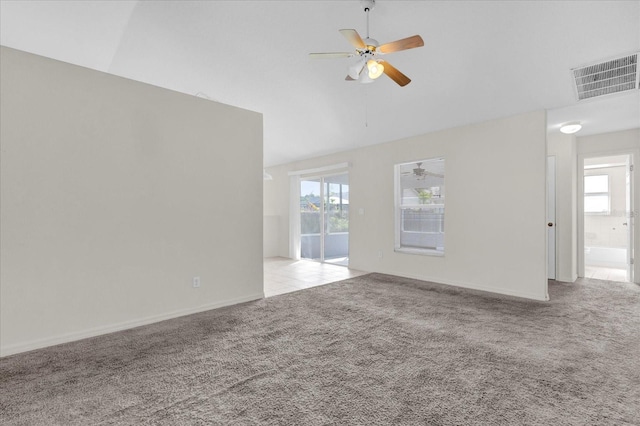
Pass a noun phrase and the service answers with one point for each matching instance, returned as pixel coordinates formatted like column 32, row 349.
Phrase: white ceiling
column 481, row 60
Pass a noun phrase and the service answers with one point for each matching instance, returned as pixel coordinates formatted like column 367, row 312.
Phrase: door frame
column 322, row 177
column 632, row 267
column 294, row 202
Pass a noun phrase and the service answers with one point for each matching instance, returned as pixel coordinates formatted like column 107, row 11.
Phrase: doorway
column 324, row 219
column 607, row 217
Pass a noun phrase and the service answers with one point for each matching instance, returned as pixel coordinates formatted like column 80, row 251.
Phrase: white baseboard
column 97, row 331
column 470, row 286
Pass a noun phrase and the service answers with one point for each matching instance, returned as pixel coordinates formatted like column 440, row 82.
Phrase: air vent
column 614, row 76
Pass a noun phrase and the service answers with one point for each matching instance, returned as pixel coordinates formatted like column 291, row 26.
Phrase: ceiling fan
column 368, row 52
column 421, row 173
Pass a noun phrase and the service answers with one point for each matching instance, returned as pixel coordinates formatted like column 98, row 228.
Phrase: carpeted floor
column 374, row 349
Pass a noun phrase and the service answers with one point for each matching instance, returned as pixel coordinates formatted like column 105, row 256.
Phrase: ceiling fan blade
column 354, row 38
column 404, row 44
column 348, row 78
column 436, row 175
column 330, row 55
column 395, row 75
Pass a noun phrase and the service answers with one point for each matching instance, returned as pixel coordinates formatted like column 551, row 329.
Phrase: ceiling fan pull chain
column 366, row 108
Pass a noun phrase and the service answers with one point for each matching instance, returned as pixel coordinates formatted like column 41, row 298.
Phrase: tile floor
column 283, row 275
column 602, row 273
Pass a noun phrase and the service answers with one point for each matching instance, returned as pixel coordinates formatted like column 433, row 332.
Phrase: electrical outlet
column 196, row 282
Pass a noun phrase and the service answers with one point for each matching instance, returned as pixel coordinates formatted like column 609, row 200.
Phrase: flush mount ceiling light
column 367, row 52
column 572, row 127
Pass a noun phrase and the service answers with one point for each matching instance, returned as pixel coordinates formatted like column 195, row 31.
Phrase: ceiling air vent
column 614, row 76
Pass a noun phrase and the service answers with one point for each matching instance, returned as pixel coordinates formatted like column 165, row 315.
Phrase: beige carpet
column 370, row 350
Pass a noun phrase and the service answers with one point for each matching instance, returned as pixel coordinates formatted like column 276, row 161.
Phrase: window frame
column 398, row 207
column 596, row 194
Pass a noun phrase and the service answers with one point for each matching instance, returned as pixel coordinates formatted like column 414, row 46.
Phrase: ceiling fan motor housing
column 371, row 43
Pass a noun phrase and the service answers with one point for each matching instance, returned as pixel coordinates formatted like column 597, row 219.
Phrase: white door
column 551, row 217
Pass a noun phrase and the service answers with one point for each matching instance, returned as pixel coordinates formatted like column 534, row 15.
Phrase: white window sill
column 419, row 251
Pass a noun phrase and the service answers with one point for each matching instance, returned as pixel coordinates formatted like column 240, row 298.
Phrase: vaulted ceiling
column 481, row 60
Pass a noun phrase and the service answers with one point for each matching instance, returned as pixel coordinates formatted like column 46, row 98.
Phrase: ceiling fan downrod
column 368, row 6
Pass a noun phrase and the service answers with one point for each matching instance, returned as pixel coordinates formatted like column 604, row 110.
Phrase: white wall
column 627, row 141
column 613, row 142
column 495, row 207
column 563, row 147
column 271, row 226
column 114, row 194
column 276, row 214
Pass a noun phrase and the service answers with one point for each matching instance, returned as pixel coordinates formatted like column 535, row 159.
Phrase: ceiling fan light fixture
column 570, row 128
column 356, row 68
column 375, row 69
column 365, row 79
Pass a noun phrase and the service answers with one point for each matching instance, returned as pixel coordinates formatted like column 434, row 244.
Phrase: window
column 596, row 194
column 420, row 207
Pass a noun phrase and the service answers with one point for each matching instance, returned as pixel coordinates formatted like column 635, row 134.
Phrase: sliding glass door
column 336, row 224
column 324, row 219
